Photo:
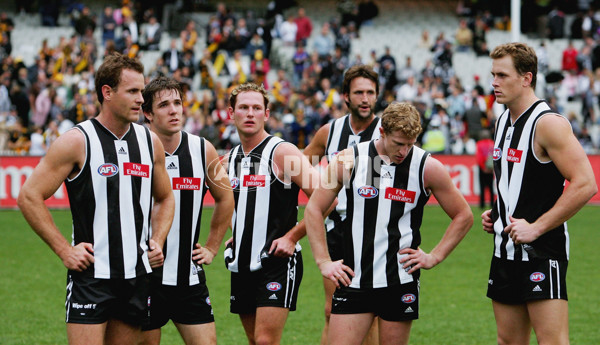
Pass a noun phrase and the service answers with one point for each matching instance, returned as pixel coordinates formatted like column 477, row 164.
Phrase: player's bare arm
column 316, row 149
column 220, row 189
column 438, row 182
column 292, row 166
column 163, row 208
column 332, row 181
column 554, row 140
column 63, row 160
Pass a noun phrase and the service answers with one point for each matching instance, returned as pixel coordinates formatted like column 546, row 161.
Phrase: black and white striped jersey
column 111, row 200
column 266, row 208
column 527, row 188
column 187, row 170
column 384, row 215
column 341, row 136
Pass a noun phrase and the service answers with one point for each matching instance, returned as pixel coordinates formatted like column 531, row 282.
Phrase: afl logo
column 235, row 182
column 497, row 153
column 367, row 192
column 409, row 298
column 273, row 286
column 108, row 170
column 208, row 300
column 537, row 276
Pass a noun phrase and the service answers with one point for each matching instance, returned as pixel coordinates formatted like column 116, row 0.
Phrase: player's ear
column 148, row 117
column 106, row 92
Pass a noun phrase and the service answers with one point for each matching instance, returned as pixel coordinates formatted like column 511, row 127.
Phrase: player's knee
column 327, row 312
column 264, row 339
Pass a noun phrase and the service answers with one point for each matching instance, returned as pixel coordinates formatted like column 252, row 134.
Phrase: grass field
column 454, row 309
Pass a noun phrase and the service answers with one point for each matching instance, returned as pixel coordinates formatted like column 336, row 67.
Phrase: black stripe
column 370, row 220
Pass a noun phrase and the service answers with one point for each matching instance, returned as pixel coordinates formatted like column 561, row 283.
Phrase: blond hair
column 248, row 87
column 401, row 116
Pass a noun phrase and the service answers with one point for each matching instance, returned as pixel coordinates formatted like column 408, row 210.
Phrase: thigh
column 550, row 320
column 394, row 332
column 269, row 324
column 329, row 288
column 200, row 334
column 83, row 334
column 122, row 333
column 349, row 329
column 512, row 322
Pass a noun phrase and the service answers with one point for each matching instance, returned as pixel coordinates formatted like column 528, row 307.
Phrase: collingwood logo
column 172, row 166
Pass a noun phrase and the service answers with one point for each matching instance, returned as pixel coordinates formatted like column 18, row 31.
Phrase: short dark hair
column 357, row 71
column 523, row 56
column 157, row 85
column 109, row 73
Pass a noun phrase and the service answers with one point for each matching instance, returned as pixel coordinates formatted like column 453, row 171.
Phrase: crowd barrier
column 14, row 170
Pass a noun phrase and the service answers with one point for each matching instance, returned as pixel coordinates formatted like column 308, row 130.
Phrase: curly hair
column 247, row 87
column 401, row 116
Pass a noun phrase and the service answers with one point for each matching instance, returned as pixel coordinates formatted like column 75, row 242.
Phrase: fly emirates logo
column 255, row 181
column 397, row 194
column 514, row 155
column 136, row 169
column 186, row 183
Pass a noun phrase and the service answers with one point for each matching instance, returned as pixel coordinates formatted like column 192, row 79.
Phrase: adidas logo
column 409, row 310
column 537, row 288
column 273, row 296
column 387, row 175
column 122, row 151
column 172, row 166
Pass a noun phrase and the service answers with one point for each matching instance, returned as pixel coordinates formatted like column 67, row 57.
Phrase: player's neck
column 519, row 105
column 252, row 141
column 170, row 141
column 115, row 125
column 359, row 124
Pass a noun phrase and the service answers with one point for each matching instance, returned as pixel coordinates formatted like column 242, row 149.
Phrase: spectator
column 239, row 67
column 556, row 24
column 304, row 25
column 324, row 43
column 344, row 41
column 173, row 57
column 485, row 162
column 255, row 43
column 569, row 58
column 407, row 71
column 85, row 21
column 260, row 67
column 18, row 140
column 37, row 145
column 152, row 34
column 288, row 30
column 109, row 25
column 189, row 36
column 408, row 91
column 463, row 36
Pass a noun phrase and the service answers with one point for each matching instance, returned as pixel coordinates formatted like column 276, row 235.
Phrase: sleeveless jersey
column 265, row 207
column 527, row 188
column 341, row 136
column 187, row 170
column 385, row 212
column 111, row 200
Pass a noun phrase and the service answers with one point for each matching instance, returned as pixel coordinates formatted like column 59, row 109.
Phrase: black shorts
column 517, row 282
column 188, row 305
column 94, row 301
column 335, row 243
column 394, row 303
column 276, row 284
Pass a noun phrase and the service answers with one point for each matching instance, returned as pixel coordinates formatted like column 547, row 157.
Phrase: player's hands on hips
column 486, row 221
column 521, row 231
column 202, row 255
column 337, row 272
column 79, row 257
column 282, row 247
column 413, row 259
column 155, row 255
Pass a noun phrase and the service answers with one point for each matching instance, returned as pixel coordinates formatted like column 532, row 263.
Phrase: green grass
column 454, row 309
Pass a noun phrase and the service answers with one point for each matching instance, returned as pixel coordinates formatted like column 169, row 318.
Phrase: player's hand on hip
column 79, row 257
column 282, row 248
column 521, row 231
column 337, row 272
column 414, row 259
column 155, row 255
column 486, row 221
column 202, row 255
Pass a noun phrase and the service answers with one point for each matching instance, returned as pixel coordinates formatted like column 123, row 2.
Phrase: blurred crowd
column 41, row 101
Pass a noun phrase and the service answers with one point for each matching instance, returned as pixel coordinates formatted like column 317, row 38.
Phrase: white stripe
column 69, row 294
column 551, row 280
column 360, row 179
column 101, row 257
column 145, row 194
column 198, row 163
column 128, row 237
column 172, row 258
